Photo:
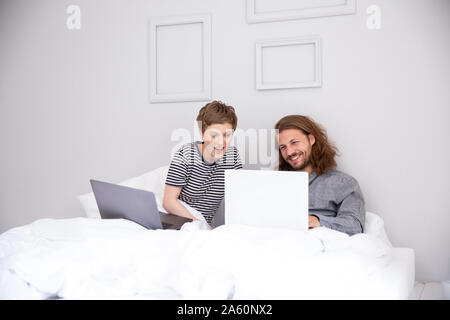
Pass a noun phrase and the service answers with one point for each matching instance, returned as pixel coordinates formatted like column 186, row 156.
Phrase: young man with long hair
column 335, row 198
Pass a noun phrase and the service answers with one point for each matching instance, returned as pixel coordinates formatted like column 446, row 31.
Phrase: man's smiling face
column 295, row 147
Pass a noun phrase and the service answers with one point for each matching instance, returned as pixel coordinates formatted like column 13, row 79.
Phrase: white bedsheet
column 85, row 258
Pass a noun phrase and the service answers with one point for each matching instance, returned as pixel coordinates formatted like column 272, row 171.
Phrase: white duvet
column 86, row 258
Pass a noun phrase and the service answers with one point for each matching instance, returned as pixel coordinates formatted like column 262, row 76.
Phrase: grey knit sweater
column 336, row 199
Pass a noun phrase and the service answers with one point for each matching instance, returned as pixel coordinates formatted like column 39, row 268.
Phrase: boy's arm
column 172, row 205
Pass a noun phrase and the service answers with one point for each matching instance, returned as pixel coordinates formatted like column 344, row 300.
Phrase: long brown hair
column 323, row 151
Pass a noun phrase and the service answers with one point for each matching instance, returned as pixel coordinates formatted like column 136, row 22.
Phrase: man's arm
column 351, row 212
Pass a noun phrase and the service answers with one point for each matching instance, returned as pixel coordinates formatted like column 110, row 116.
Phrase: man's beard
column 300, row 166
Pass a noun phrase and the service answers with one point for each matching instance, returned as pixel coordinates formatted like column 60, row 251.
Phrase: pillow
column 89, row 205
column 374, row 225
column 153, row 181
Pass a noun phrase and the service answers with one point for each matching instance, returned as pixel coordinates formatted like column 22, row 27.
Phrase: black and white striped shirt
column 203, row 182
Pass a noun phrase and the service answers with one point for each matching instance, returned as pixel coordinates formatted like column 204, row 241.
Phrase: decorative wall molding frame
column 321, row 10
column 315, row 60
column 156, row 25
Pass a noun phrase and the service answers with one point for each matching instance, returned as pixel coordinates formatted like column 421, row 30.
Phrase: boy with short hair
column 196, row 173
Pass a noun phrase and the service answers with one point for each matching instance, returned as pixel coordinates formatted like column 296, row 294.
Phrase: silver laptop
column 115, row 202
column 263, row 198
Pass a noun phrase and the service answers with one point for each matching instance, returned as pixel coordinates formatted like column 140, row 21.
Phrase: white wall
column 74, row 105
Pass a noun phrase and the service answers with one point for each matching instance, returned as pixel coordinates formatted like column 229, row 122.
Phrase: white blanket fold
column 85, row 258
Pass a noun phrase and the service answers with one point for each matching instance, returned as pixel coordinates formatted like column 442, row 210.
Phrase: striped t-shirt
column 203, row 182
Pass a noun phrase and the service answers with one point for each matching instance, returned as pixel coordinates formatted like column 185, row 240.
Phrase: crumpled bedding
column 84, row 258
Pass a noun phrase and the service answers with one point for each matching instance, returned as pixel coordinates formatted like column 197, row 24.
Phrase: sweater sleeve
column 350, row 216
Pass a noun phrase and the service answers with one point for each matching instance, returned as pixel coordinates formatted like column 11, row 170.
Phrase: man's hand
column 313, row 222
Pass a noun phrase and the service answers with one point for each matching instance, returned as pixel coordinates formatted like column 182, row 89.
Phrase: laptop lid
column 263, row 198
column 115, row 201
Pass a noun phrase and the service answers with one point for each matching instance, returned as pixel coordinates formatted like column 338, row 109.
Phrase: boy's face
column 217, row 138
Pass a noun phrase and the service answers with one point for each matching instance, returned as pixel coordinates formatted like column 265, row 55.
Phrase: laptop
column 115, row 202
column 263, row 198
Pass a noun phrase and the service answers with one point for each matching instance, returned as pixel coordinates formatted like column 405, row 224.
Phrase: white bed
column 88, row 258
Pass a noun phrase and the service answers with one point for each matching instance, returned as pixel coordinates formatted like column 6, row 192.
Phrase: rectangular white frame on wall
column 205, row 93
column 349, row 7
column 316, row 82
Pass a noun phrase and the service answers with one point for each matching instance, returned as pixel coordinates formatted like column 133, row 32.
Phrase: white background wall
column 74, row 105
